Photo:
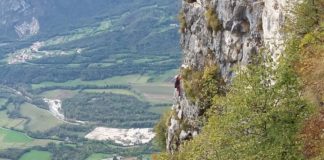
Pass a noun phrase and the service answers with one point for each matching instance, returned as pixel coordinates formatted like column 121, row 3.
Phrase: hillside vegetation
column 268, row 112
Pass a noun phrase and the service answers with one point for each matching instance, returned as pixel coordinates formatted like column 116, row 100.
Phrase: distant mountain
column 21, row 18
column 51, row 34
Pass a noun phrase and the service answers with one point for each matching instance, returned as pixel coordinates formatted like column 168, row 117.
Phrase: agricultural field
column 114, row 91
column 39, row 119
column 160, row 90
column 15, row 139
column 117, row 80
column 16, row 123
column 99, row 156
column 2, row 101
column 9, row 136
column 59, row 94
column 156, row 92
column 167, row 76
column 36, row 155
column 159, row 110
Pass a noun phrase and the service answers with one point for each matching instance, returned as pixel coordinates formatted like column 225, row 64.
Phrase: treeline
column 65, row 132
column 17, row 96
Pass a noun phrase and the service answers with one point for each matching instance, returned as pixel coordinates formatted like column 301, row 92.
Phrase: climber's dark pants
column 179, row 91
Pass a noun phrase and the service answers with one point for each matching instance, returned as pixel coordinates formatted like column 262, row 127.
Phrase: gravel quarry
column 125, row 137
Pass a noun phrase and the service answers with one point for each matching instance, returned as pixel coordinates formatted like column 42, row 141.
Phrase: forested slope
column 272, row 108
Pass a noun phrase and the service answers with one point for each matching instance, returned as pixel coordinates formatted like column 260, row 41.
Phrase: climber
column 177, row 85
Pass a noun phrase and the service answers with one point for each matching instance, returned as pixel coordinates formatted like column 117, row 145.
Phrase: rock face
column 27, row 28
column 183, row 124
column 17, row 17
column 245, row 26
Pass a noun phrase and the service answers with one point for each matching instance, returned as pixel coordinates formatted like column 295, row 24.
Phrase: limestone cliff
column 228, row 33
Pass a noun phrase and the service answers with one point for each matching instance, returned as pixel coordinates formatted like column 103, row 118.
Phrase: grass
column 9, row 136
column 14, row 139
column 155, row 92
column 165, row 77
column 159, row 110
column 182, row 21
column 2, row 101
column 40, row 119
column 73, row 65
column 99, row 156
column 7, row 122
column 34, row 154
column 128, row 79
column 115, row 91
column 159, row 90
column 143, row 60
column 117, row 80
column 155, row 88
column 65, row 94
column 147, row 156
column 213, row 22
column 59, row 94
column 94, row 65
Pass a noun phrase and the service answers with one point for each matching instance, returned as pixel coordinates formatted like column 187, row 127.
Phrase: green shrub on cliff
column 160, row 130
column 182, row 21
column 308, row 15
column 213, row 22
column 202, row 86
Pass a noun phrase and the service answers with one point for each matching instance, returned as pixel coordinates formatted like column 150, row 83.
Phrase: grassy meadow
column 99, row 156
column 15, row 139
column 36, row 155
column 40, row 119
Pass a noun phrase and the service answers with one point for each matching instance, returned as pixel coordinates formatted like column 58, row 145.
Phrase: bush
column 182, row 21
column 160, row 130
column 308, row 15
column 202, row 86
column 213, row 22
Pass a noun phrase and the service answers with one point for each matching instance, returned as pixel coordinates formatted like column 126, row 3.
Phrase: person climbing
column 177, row 85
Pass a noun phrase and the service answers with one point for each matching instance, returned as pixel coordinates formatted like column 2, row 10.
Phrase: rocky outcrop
column 27, row 28
column 183, row 123
column 18, row 17
column 245, row 26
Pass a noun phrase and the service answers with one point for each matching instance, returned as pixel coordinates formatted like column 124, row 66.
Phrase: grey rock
column 171, row 135
column 183, row 135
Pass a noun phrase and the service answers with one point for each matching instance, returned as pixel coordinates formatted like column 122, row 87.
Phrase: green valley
column 82, row 65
